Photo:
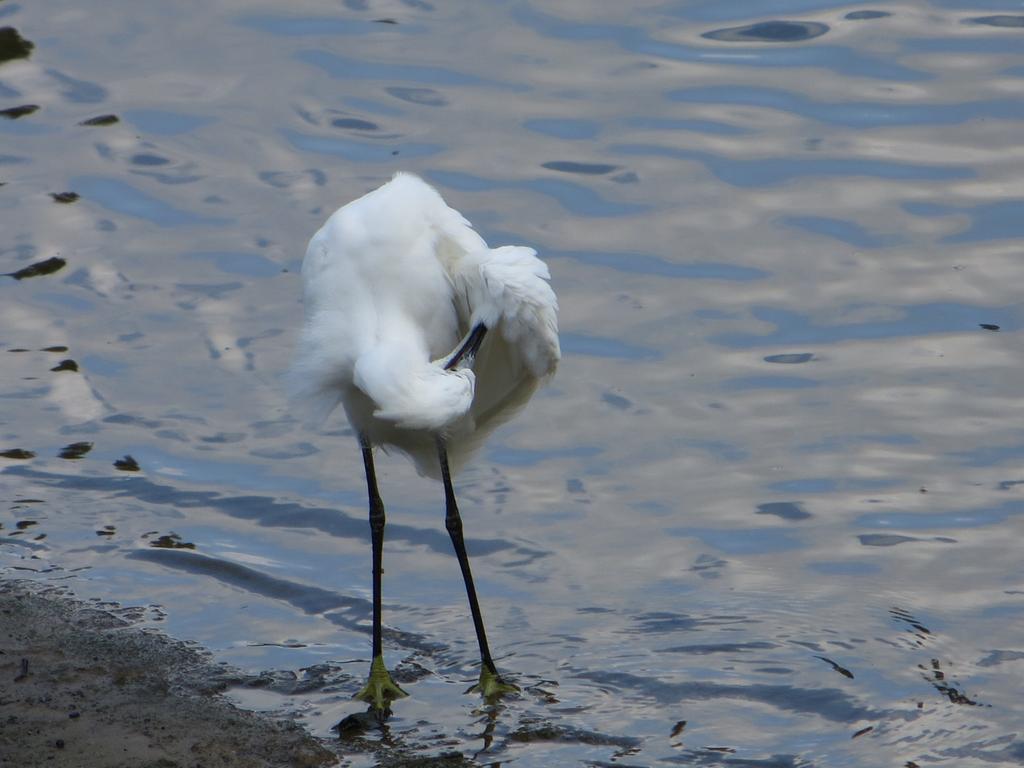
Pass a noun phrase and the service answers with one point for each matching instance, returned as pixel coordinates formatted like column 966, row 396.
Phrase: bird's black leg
column 491, row 685
column 380, row 690
column 377, row 521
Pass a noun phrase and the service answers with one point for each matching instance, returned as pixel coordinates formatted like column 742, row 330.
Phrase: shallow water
column 769, row 511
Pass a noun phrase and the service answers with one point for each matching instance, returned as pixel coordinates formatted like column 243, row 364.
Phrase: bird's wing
column 507, row 290
column 412, row 393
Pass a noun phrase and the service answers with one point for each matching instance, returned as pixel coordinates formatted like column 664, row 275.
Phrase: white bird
column 429, row 339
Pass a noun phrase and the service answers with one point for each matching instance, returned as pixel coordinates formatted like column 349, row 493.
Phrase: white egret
column 429, row 339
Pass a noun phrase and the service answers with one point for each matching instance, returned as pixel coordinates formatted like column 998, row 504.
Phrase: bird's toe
column 491, row 686
column 380, row 690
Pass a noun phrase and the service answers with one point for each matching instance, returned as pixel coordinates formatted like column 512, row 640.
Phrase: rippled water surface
column 769, row 513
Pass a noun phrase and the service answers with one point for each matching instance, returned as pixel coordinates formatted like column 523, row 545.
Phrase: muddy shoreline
column 82, row 684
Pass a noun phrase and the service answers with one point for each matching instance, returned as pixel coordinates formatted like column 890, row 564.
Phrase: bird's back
column 392, row 281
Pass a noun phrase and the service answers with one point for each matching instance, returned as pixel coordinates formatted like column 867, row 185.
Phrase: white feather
column 392, row 282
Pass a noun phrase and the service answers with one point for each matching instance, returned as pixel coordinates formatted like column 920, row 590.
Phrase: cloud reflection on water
column 780, row 417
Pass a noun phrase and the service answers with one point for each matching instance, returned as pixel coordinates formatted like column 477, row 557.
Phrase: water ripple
column 852, row 114
column 827, row 703
column 846, row 61
column 773, row 171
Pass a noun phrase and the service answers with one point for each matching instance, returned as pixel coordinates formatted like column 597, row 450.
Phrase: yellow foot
column 491, row 687
column 380, row 690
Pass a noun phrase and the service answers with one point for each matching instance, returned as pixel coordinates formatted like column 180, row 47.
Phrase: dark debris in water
column 101, row 120
column 17, row 453
column 45, row 267
column 534, row 732
column 13, row 45
column 127, row 464
column 317, row 677
column 841, row 670
column 55, row 348
column 75, row 450
column 391, row 749
column 770, row 32
column 357, row 723
column 909, row 619
column 989, row 326
column 937, row 677
column 66, row 365
column 13, row 113
column 445, row 760
column 171, row 541
column 64, row 197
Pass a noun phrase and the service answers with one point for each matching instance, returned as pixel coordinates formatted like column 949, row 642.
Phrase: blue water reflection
column 768, row 382
column 849, row 232
column 360, row 151
column 647, row 264
column 793, row 327
column 853, row 114
column 748, row 541
column 710, row 10
column 564, row 128
column 340, row 66
column 248, row 264
column 78, row 91
column 575, row 198
column 982, row 45
column 597, row 346
column 770, row 32
column 121, row 197
column 774, row 171
column 165, row 123
column 767, row 512
column 316, row 26
column 837, row 58
column 833, row 484
column 992, row 221
column 941, row 520
column 989, row 5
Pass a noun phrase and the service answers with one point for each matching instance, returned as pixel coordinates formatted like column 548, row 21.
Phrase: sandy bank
column 81, row 685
